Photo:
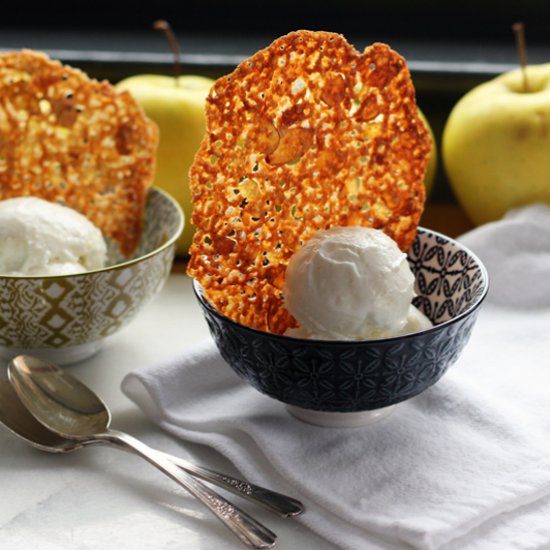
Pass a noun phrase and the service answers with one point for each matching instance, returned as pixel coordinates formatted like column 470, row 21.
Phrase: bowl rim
column 198, row 290
column 120, row 265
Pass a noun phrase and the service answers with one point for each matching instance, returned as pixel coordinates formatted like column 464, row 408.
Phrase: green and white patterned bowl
column 65, row 319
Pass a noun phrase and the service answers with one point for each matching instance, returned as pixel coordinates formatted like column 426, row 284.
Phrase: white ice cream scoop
column 41, row 238
column 350, row 283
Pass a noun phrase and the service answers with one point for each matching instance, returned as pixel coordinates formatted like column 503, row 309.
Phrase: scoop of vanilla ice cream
column 351, row 283
column 41, row 238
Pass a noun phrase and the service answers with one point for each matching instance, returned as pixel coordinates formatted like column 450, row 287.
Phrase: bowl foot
column 58, row 356
column 339, row 419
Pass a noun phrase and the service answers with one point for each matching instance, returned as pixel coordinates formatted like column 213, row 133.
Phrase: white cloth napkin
column 465, row 465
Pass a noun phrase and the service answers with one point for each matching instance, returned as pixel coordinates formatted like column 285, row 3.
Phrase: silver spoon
column 19, row 421
column 73, row 411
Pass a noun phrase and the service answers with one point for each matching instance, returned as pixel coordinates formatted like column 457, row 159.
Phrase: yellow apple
column 431, row 170
column 177, row 106
column 496, row 144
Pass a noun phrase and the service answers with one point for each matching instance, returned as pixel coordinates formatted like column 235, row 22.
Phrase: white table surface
column 101, row 498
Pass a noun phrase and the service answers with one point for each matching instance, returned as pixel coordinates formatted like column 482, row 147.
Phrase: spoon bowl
column 73, row 411
column 60, row 402
column 20, row 422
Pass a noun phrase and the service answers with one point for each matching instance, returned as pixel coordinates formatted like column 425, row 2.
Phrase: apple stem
column 165, row 27
column 519, row 33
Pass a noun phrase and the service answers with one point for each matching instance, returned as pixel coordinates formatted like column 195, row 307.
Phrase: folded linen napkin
column 464, row 465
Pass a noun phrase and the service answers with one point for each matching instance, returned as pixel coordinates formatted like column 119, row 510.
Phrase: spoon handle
column 281, row 504
column 246, row 528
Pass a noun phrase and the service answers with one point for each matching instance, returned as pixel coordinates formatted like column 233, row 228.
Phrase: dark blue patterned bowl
column 352, row 376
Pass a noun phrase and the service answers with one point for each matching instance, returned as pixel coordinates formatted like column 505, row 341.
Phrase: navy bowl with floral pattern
column 352, row 376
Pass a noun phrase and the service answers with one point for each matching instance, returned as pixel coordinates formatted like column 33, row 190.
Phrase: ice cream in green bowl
column 64, row 289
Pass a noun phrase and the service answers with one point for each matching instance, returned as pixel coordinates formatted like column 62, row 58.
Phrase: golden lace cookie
column 305, row 135
column 65, row 137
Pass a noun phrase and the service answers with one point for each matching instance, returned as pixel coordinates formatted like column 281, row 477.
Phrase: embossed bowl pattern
column 73, row 314
column 353, row 376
